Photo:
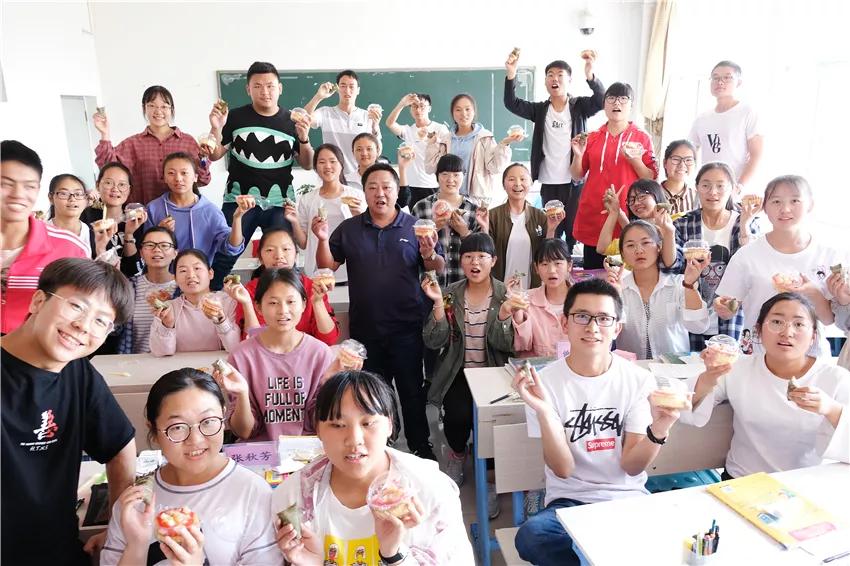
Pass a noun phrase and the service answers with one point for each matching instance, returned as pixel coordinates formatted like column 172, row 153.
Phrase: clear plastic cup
column 103, row 224
column 390, row 493
column 324, row 276
column 751, row 200
column 351, row 352
column 405, row 150
column 553, row 208
column 786, row 282
column 518, row 299
column 132, row 211
column 441, row 208
column 374, row 108
column 633, row 149
column 424, row 228
column 516, row 130
column 697, row 249
column 674, row 395
column 724, row 349
column 298, row 114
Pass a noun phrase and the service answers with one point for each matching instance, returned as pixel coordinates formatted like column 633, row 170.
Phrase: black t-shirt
column 48, row 420
column 262, row 151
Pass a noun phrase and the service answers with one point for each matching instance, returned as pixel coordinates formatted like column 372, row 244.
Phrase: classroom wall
column 181, row 46
column 48, row 50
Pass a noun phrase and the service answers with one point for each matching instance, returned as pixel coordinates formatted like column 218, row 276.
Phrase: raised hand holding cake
column 390, row 493
column 721, row 350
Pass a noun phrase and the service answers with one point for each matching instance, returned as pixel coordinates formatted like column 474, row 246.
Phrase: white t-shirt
column 723, row 136
column 234, row 509
column 771, row 433
column 719, row 242
column 84, row 235
column 596, row 411
column 416, row 175
column 308, row 208
column 340, row 129
column 518, row 254
column 748, row 277
column 555, row 167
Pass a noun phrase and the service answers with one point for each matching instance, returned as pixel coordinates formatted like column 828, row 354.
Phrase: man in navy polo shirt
column 384, row 259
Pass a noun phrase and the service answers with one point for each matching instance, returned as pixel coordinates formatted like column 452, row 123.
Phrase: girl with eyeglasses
column 614, row 156
column 471, row 326
column 185, row 417
column 198, row 320
column 158, row 250
column 679, row 163
column 661, row 308
column 725, row 229
column 788, row 258
column 68, row 199
column 644, row 196
column 790, row 409
column 143, row 153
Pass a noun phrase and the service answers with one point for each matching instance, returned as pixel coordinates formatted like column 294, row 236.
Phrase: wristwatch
column 652, row 437
column 692, row 286
column 399, row 556
column 307, row 141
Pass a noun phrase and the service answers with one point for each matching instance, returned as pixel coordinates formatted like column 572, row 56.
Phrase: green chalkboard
column 387, row 87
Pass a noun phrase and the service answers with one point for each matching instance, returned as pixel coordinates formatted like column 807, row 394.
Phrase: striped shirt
column 683, row 202
column 143, row 313
column 475, row 333
column 448, row 238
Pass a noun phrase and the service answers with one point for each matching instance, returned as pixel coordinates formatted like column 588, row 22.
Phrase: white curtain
column 657, row 70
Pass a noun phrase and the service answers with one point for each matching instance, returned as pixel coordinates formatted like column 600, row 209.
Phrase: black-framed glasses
column 75, row 311
column 676, row 160
column 179, row 432
column 583, row 318
column 162, row 246
column 66, row 195
column 640, row 197
column 620, row 99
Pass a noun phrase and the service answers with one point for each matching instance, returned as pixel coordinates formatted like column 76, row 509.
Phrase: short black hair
column 194, row 252
column 160, row 229
column 732, row 65
column 337, row 153
column 371, row 394
column 594, row 286
column 471, row 99
column 264, row 238
column 347, row 73
column 647, row 187
column 620, row 89
column 423, row 96
column 511, row 166
column 54, row 184
column 90, row 277
column 374, row 169
column 366, row 135
column 795, row 297
column 185, row 157
column 115, row 165
column 552, row 249
column 478, row 242
column 726, row 170
column 449, row 163
column 152, row 92
column 261, row 68
column 13, row 150
column 676, row 144
column 175, row 382
column 559, row 64
column 650, row 228
column 269, row 277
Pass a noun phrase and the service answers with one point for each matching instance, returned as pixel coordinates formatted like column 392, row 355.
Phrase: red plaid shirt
column 143, row 155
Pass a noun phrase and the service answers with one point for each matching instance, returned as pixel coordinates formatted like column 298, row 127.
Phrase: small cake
column 405, row 150
column 518, row 300
column 588, row 53
column 670, row 398
column 633, row 148
column 837, row 269
column 792, row 385
column 785, row 282
column 159, row 299
column 724, row 349
column 663, row 206
column 168, row 520
column 322, row 212
column 103, row 224
column 424, row 228
column 349, row 200
column 516, row 131
column 351, row 353
column 324, row 277
column 733, row 304
column 298, row 114
column 222, row 367
column 221, row 106
column 553, row 208
column 526, row 371
column 210, row 305
column 390, row 493
column 699, row 250
column 515, row 52
column 374, row 108
column 432, row 277
column 751, row 200
column 613, row 261
column 582, row 137
column 234, row 278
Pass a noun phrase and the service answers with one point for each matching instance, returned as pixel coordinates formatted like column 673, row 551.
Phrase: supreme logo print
column 601, row 444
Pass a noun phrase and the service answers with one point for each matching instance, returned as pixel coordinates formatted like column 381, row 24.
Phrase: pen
column 502, row 398
column 836, row 557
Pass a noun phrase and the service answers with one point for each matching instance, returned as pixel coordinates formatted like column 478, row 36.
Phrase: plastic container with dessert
column 424, row 228
column 672, row 394
column 406, row 151
column 516, row 131
column 787, row 282
column 168, row 520
column 722, row 350
column 351, row 353
column 518, row 299
column 553, row 208
column 298, row 114
column 103, row 224
column 324, row 276
column 133, row 211
column 390, row 493
column 699, row 250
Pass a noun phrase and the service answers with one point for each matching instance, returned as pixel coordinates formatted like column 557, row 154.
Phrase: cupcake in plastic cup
column 441, row 208
column 103, row 224
column 405, row 150
column 390, row 493
column 786, row 282
column 298, row 114
column 351, row 352
column 553, row 208
column 633, row 149
column 518, row 299
column 516, row 130
column 375, row 108
column 671, row 397
column 210, row 305
column 324, row 276
column 424, row 228
column 133, row 211
column 722, row 349
column 697, row 249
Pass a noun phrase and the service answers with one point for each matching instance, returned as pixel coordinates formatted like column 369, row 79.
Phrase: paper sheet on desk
column 676, row 371
column 830, row 545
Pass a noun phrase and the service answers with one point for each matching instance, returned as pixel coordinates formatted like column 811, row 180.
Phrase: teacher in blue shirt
column 384, row 259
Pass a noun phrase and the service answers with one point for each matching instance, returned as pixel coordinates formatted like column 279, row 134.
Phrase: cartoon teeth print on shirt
column 262, row 148
column 589, row 421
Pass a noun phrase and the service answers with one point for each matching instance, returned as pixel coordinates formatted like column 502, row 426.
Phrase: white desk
column 131, row 391
column 652, row 529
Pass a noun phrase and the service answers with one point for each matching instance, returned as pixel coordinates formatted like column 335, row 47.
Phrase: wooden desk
column 131, row 391
column 652, row 529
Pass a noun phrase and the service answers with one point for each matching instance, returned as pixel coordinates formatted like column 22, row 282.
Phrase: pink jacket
column 193, row 331
column 540, row 333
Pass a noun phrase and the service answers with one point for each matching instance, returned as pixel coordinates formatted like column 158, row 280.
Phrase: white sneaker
column 454, row 466
column 493, row 506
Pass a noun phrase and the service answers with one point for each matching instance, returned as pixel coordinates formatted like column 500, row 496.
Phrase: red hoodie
column 605, row 165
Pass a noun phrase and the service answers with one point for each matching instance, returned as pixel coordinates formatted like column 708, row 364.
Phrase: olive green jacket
column 500, row 231
column 448, row 337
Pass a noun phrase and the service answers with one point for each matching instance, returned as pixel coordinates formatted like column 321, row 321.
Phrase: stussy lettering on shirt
column 592, row 421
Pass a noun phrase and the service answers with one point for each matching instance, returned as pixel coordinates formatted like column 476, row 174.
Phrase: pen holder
column 691, row 557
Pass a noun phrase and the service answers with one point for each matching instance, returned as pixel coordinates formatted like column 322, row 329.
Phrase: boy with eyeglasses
column 55, row 406
column 730, row 132
column 592, row 412
column 27, row 244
